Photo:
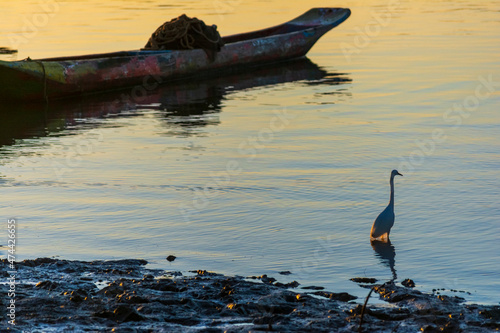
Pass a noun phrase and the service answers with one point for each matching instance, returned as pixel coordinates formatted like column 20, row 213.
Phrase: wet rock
column 364, row 280
column 450, row 299
column 86, row 278
column 133, row 299
column 165, row 285
column 408, row 283
column 112, row 290
column 266, row 279
column 343, row 297
column 280, row 285
column 77, row 296
column 391, row 293
column 226, row 291
column 171, row 258
column 148, row 277
column 429, row 329
column 136, row 299
column 124, row 313
column 285, row 273
column 37, row 262
column 201, row 272
column 396, row 314
column 48, row 285
column 131, row 263
column 293, row 284
column 491, row 313
column 184, row 321
column 491, row 325
column 313, row 288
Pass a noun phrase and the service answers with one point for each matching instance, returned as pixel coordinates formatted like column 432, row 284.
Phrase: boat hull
column 145, row 70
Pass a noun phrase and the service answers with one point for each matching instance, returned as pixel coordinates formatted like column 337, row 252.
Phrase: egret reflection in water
column 386, row 252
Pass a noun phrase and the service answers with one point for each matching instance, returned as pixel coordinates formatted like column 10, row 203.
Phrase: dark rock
column 104, row 314
column 293, row 284
column 264, row 278
column 185, row 321
column 165, row 285
column 364, row 280
column 491, row 313
column 408, row 283
column 313, row 288
column 391, row 293
column 76, row 299
column 451, row 299
column 124, row 313
column 171, row 258
column 78, row 295
column 204, row 273
column 301, row 298
column 122, row 262
column 37, row 262
column 86, row 278
column 226, row 291
column 49, row 285
column 148, row 277
column 429, row 329
column 285, row 273
column 491, row 325
column 280, row 285
column 112, row 290
column 135, row 301
column 343, row 297
column 278, row 308
column 396, row 314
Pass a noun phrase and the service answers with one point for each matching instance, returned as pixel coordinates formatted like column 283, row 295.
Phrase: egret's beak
column 399, row 174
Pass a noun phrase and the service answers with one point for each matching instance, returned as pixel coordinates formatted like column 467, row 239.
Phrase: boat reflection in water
column 386, row 252
column 183, row 104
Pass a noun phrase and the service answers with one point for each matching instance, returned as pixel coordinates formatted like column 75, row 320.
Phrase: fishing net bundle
column 185, row 33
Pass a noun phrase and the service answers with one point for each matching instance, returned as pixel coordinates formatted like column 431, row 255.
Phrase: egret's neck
column 391, row 202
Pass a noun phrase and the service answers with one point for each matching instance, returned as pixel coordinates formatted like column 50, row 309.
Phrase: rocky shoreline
column 53, row 295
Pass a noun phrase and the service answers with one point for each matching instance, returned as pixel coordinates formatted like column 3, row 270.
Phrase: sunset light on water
column 283, row 168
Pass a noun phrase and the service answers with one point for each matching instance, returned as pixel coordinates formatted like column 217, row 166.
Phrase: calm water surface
column 281, row 169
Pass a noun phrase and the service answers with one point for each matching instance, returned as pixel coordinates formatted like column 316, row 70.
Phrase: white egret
column 384, row 222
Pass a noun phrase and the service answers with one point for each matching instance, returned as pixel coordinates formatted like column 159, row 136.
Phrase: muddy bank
column 54, row 295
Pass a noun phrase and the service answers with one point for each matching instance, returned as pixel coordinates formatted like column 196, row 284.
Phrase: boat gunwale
column 143, row 52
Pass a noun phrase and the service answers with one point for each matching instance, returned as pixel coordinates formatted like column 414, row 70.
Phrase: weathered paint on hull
column 60, row 77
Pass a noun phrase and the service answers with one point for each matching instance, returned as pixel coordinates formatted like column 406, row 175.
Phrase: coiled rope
column 185, row 33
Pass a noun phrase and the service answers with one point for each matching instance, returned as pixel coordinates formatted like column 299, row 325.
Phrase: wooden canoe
column 181, row 106
column 142, row 71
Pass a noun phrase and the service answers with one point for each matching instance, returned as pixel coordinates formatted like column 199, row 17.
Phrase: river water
column 281, row 169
